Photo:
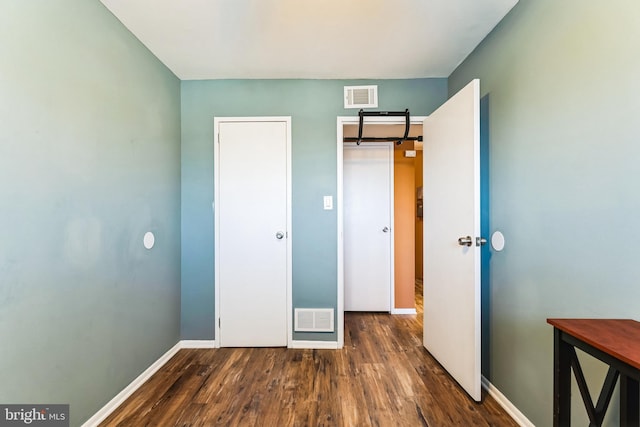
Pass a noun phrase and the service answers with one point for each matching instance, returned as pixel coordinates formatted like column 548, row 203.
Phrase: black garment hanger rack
column 398, row 140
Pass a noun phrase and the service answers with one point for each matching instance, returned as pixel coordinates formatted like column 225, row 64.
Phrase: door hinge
column 219, row 322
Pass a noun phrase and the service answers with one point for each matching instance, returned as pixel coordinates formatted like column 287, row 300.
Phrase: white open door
column 452, row 237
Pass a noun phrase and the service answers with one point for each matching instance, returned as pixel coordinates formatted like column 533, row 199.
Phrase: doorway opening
column 452, row 306
column 405, row 295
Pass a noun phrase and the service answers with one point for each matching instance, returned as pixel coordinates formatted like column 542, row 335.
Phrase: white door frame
column 341, row 121
column 216, row 195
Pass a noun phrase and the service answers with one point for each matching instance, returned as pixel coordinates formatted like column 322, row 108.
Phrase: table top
column 619, row 338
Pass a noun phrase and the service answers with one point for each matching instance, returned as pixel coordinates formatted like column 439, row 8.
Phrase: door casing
column 216, row 200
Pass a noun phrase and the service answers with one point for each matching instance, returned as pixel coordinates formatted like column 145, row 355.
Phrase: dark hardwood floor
column 382, row 377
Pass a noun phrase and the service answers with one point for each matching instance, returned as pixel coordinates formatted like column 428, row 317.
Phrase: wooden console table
column 616, row 342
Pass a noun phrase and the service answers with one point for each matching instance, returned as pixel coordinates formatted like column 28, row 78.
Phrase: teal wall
column 89, row 161
column 562, row 80
column 314, row 106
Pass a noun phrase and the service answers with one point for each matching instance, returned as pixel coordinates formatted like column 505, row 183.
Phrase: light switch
column 328, row 203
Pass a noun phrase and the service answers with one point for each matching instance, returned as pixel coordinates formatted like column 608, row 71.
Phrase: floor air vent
column 361, row 96
column 313, row 320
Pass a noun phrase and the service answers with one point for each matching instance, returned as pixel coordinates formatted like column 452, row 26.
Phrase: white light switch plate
column 328, row 203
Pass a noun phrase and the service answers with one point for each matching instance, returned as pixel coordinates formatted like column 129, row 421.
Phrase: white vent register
column 313, row 320
column 361, row 96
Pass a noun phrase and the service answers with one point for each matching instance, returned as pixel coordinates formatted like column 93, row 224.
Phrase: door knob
column 279, row 235
column 465, row 241
column 385, row 230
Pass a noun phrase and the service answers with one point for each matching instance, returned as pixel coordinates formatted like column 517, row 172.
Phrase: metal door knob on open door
column 465, row 241
column 279, row 235
column 385, row 230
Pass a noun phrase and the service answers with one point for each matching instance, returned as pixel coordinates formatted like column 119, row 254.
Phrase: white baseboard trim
column 315, row 345
column 198, row 344
column 113, row 404
column 509, row 407
column 403, row 311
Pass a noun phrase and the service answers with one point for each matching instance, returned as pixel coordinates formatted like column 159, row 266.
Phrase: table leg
column 561, row 381
column 629, row 402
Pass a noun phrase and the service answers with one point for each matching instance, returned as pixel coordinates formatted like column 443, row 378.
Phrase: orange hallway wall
column 404, row 223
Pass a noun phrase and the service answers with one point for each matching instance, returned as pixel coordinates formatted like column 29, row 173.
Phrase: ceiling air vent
column 361, row 96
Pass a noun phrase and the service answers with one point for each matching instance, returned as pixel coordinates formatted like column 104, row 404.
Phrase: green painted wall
column 562, row 80
column 89, row 161
column 314, row 106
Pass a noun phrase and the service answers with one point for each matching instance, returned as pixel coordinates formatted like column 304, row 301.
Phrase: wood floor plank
column 382, row 377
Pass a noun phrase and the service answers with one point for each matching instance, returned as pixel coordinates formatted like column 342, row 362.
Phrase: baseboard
column 509, row 407
column 403, row 311
column 198, row 344
column 113, row 404
column 316, row 345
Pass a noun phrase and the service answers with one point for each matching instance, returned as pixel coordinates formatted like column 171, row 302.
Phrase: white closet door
column 251, row 210
column 368, row 236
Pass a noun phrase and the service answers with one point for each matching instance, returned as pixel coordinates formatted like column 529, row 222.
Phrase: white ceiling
column 318, row 39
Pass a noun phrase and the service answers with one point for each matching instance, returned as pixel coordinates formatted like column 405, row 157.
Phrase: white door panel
column 252, row 209
column 368, row 237
column 452, row 210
